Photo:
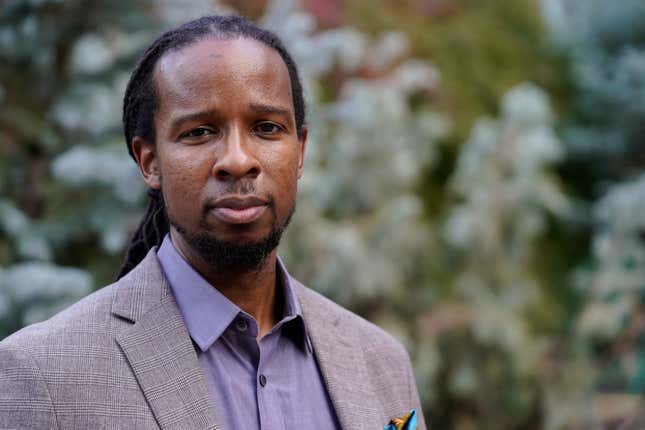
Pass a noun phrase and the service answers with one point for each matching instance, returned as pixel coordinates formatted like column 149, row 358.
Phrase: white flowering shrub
column 36, row 290
column 367, row 147
column 467, row 289
column 69, row 194
column 503, row 174
column 358, row 235
column 606, row 43
column 481, row 340
column 615, row 286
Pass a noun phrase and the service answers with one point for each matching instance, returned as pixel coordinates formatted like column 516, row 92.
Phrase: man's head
column 214, row 116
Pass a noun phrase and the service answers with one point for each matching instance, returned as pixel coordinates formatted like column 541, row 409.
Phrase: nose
column 236, row 159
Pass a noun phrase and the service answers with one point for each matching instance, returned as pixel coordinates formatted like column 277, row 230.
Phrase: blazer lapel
column 342, row 365
column 160, row 351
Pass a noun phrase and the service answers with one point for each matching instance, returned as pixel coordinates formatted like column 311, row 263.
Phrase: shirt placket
column 268, row 406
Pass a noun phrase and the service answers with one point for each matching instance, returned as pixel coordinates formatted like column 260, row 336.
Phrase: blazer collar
column 141, row 289
column 341, row 361
column 163, row 359
column 159, row 349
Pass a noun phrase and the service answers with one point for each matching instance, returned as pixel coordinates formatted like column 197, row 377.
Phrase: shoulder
column 379, row 360
column 35, row 359
column 90, row 315
column 372, row 339
column 69, row 341
column 96, row 318
column 25, row 400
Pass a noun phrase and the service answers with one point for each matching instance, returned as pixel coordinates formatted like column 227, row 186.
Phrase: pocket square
column 406, row 422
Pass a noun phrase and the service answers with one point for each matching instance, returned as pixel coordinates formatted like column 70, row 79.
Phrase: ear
column 302, row 145
column 146, row 156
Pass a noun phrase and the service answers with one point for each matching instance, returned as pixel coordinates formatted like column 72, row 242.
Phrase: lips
column 239, row 210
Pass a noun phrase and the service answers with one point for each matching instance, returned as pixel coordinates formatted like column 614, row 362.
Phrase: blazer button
column 263, row 380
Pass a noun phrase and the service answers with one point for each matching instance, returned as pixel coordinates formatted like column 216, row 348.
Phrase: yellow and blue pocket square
column 406, row 422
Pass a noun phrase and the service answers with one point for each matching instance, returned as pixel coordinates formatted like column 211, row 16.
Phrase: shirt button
column 241, row 325
column 263, row 380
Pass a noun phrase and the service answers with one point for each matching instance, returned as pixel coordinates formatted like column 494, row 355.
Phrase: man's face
column 227, row 155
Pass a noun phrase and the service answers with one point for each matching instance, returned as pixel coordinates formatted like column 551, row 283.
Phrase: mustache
column 240, row 188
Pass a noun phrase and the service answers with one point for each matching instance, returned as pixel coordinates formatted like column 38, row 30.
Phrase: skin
column 225, row 128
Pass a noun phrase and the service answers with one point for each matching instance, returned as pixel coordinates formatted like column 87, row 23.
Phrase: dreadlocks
column 140, row 100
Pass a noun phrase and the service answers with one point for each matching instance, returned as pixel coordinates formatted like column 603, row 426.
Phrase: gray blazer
column 122, row 358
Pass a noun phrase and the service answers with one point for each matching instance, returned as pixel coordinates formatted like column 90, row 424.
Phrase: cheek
column 283, row 162
column 284, row 171
column 183, row 175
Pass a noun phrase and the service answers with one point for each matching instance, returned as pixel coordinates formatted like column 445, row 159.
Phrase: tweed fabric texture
column 122, row 358
column 367, row 372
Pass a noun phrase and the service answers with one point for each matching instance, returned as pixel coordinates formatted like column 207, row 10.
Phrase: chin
column 240, row 237
column 234, row 253
column 243, row 247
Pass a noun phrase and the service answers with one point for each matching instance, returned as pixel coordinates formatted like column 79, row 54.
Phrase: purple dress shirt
column 269, row 384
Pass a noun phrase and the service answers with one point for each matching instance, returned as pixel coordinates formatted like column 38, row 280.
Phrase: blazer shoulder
column 93, row 312
column 25, row 400
column 385, row 361
column 371, row 337
column 31, row 359
column 103, row 312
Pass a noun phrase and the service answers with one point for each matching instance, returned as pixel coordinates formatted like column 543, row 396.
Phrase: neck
column 252, row 290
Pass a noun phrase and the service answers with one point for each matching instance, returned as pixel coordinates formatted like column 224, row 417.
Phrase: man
column 204, row 328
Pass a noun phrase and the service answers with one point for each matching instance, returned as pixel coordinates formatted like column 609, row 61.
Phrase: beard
column 234, row 256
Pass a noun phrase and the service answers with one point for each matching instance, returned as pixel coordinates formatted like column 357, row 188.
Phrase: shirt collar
column 207, row 312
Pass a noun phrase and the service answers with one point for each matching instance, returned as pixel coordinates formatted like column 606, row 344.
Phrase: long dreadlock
column 140, row 100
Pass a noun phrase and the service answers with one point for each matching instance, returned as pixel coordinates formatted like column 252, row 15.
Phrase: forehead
column 211, row 71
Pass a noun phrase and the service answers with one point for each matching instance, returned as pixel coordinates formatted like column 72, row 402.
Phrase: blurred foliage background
column 474, row 184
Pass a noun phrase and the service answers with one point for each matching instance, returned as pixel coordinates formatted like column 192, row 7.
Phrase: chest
column 274, row 383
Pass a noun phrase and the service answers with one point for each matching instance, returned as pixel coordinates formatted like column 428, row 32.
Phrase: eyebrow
column 208, row 114
column 191, row 117
column 270, row 109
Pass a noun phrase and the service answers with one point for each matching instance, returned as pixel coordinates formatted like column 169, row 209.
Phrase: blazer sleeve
column 25, row 401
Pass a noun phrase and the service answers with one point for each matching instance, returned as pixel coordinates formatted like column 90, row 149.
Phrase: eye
column 197, row 133
column 268, row 128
